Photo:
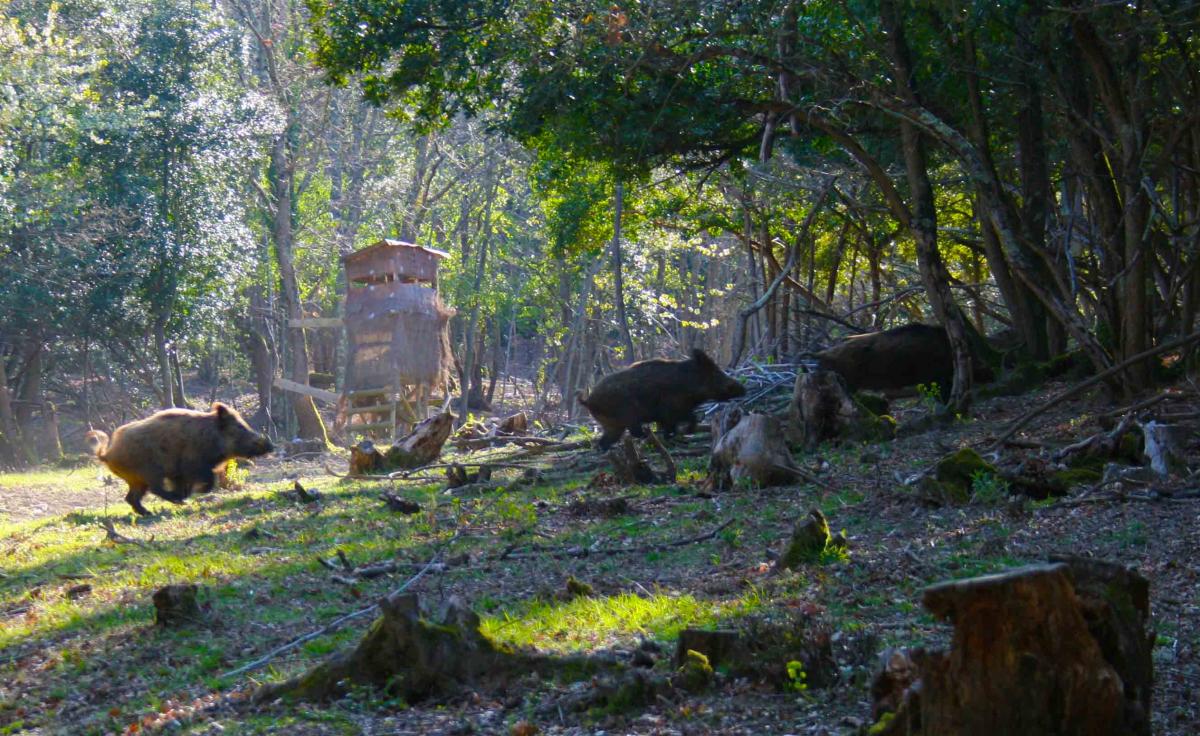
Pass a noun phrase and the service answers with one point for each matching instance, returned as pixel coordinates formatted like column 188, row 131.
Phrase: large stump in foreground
column 1058, row 650
column 410, row 657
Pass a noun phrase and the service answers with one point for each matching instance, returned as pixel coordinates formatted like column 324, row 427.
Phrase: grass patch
column 595, row 622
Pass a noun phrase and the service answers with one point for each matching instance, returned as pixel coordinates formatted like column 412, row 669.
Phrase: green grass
column 592, row 622
column 69, row 479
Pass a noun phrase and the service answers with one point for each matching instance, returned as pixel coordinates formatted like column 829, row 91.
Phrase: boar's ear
column 702, row 359
column 224, row 413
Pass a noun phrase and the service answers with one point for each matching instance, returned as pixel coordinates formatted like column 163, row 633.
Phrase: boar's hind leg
column 134, row 498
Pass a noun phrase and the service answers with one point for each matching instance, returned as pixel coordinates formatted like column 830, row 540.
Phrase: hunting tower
column 398, row 343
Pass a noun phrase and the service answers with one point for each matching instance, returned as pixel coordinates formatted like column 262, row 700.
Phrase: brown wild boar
column 662, row 391
column 176, row 447
column 897, row 358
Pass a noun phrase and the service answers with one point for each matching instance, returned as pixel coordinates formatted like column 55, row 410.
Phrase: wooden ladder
column 408, row 405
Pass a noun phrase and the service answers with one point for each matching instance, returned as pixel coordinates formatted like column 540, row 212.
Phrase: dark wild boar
column 176, row 447
column 662, row 391
column 896, row 358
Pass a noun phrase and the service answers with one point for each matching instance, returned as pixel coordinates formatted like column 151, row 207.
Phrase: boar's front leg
column 205, row 480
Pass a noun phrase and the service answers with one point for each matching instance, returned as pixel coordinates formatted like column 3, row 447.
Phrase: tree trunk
column 924, row 221
column 178, row 395
column 12, row 441
column 469, row 354
column 412, row 200
column 1029, row 317
column 618, row 277
column 282, row 171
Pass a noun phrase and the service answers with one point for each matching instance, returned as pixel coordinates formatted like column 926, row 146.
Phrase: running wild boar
column 662, row 391
column 176, row 447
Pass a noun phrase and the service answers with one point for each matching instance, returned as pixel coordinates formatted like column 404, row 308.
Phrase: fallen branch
column 671, row 472
column 1102, row 444
column 515, row 440
column 586, row 551
column 1183, row 497
column 1081, row 387
column 328, row 628
column 112, row 535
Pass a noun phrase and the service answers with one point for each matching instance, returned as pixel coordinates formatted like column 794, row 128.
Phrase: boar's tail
column 580, row 399
column 98, row 442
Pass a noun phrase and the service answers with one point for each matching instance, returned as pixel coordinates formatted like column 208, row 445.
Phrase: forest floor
column 79, row 652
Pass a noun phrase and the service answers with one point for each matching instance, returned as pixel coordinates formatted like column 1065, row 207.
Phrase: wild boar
column 662, row 391
column 897, row 358
column 179, row 448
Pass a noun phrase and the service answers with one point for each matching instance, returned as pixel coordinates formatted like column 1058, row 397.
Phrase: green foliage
column 796, row 676
column 988, row 489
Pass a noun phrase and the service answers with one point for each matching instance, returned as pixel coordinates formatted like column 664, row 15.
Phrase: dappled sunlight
column 592, row 622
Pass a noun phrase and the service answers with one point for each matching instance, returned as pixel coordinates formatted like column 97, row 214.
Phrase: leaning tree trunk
column 309, row 424
column 924, row 221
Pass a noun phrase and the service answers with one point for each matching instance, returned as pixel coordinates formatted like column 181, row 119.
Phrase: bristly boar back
column 661, row 391
column 176, row 446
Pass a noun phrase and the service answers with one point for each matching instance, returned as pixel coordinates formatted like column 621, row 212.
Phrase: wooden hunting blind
column 398, row 344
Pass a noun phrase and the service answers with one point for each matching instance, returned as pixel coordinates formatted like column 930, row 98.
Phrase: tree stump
column 755, row 451
column 628, row 465
column 421, row 447
column 175, row 605
column 1056, row 649
column 823, row 409
column 1164, row 447
column 413, row 658
column 810, row 539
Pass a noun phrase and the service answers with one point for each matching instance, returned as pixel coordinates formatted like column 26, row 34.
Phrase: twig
column 330, row 627
column 1081, row 387
column 585, row 551
column 116, row 537
column 1141, row 405
column 671, row 471
column 516, row 440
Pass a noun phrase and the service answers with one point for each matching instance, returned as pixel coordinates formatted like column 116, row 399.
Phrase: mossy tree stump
column 822, row 409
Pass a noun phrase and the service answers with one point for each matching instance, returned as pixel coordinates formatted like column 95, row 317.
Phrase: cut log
column 420, row 448
column 753, row 452
column 424, row 445
column 1059, row 648
column 175, row 605
column 823, row 409
column 517, row 424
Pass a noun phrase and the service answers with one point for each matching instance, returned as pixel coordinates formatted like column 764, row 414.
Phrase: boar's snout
column 251, row 444
column 730, row 389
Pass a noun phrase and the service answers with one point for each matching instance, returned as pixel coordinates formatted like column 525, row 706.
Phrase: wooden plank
column 367, row 392
column 321, row 394
column 375, row 409
column 315, row 322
